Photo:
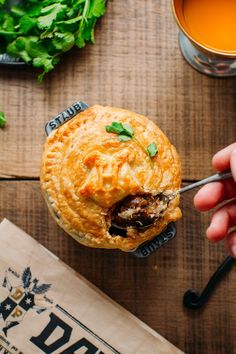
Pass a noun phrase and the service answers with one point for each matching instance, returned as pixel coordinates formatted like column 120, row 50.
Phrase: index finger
column 214, row 193
column 221, row 160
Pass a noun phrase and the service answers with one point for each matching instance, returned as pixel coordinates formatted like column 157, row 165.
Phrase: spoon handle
column 217, row 177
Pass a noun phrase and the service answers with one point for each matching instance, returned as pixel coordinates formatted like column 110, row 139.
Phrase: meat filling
column 139, row 211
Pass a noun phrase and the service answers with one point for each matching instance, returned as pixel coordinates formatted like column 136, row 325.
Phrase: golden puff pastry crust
column 85, row 171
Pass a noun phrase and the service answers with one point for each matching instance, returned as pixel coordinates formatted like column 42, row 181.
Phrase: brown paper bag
column 45, row 307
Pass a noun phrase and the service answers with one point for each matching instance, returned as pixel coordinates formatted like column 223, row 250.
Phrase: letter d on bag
column 48, row 331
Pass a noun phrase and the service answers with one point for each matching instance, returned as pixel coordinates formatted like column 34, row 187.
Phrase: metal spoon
column 220, row 176
column 215, row 178
column 168, row 197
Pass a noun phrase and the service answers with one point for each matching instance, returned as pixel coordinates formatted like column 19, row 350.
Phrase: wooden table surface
column 135, row 64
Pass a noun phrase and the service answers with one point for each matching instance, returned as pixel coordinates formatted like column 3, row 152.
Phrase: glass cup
column 206, row 60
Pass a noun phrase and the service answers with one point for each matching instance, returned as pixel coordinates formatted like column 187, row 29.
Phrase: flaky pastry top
column 85, row 171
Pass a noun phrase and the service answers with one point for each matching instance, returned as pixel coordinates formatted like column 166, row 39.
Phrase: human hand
column 212, row 194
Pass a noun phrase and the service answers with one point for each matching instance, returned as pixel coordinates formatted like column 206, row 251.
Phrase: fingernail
column 209, row 234
column 233, row 251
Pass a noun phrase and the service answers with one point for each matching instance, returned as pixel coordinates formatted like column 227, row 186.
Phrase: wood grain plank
column 151, row 288
column 135, row 64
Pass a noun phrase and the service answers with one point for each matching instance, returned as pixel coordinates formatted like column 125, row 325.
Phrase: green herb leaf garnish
column 120, row 129
column 124, row 137
column 128, row 130
column 152, row 149
column 126, row 133
column 115, row 127
column 2, row 120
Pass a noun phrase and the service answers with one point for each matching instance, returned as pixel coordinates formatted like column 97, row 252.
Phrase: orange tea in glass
column 208, row 34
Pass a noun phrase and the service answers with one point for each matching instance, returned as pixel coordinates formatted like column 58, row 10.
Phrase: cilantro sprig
column 126, row 133
column 152, row 149
column 40, row 31
column 2, row 120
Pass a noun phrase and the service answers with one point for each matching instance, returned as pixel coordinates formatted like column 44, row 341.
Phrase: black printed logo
column 24, row 295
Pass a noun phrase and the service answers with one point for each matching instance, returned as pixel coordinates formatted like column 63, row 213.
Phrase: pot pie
column 108, row 193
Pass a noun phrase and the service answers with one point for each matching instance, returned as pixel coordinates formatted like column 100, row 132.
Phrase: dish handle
column 65, row 116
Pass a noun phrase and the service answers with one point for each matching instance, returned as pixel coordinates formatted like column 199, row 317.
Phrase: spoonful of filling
column 143, row 210
column 139, row 211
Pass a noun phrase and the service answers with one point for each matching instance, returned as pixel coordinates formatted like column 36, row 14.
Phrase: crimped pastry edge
column 119, row 242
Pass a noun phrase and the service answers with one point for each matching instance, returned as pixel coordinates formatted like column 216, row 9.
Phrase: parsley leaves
column 2, row 120
column 40, row 31
column 126, row 133
column 124, row 137
column 152, row 149
column 120, row 129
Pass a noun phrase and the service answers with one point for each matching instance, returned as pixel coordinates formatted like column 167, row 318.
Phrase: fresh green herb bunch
column 40, row 31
